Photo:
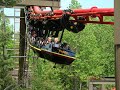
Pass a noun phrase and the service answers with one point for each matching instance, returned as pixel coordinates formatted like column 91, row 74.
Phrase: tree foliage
column 45, row 77
column 5, row 61
column 95, row 51
column 74, row 4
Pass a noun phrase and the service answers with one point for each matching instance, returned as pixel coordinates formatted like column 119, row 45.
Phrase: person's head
column 33, row 33
column 56, row 40
column 49, row 39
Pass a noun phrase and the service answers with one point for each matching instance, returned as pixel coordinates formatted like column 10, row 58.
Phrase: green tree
column 45, row 77
column 94, row 51
column 5, row 61
column 74, row 4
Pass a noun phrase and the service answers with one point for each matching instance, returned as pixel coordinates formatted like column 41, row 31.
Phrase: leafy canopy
column 74, row 4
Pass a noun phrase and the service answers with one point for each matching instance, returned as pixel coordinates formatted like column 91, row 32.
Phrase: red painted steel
column 93, row 12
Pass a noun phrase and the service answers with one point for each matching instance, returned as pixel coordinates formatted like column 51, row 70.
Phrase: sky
column 89, row 3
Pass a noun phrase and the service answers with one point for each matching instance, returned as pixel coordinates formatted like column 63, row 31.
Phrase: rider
column 56, row 45
column 33, row 38
column 48, row 45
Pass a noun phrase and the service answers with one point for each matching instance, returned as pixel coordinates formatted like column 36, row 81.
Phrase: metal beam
column 45, row 3
column 52, row 3
column 103, row 82
column 117, row 42
column 22, row 49
column 24, row 56
column 14, row 17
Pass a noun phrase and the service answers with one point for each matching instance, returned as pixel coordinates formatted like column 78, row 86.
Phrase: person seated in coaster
column 48, row 44
column 33, row 37
column 40, row 42
column 56, row 45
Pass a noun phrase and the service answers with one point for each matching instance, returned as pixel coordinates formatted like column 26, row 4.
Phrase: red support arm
column 86, row 13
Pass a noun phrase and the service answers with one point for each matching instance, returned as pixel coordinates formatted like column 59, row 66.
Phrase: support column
column 117, row 42
column 22, row 50
column 103, row 87
column 90, row 86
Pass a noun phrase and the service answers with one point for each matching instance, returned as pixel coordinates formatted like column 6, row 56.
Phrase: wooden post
column 90, row 86
column 117, row 42
column 22, row 49
column 103, row 87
